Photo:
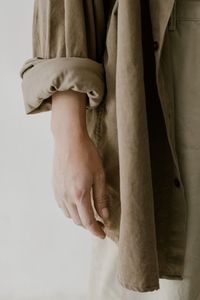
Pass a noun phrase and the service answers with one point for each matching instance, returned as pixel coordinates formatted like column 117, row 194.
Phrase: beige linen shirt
column 95, row 47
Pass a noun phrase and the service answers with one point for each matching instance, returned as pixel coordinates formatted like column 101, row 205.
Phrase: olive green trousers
column 184, row 39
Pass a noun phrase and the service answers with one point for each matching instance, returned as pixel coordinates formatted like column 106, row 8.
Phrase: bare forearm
column 68, row 114
column 77, row 167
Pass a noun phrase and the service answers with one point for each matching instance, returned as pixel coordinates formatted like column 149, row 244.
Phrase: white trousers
column 185, row 50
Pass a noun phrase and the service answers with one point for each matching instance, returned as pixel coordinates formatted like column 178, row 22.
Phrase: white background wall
column 43, row 255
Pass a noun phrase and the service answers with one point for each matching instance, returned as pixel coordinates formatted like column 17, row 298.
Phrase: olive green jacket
column 94, row 46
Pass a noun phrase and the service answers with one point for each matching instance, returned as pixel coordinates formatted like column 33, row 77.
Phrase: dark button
column 155, row 45
column 177, row 182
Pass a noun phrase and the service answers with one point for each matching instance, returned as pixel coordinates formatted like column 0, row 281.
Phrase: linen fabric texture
column 95, row 47
column 183, row 38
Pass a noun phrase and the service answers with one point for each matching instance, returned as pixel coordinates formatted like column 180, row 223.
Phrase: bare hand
column 78, row 171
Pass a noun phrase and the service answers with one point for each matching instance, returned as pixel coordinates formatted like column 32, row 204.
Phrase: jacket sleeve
column 68, row 40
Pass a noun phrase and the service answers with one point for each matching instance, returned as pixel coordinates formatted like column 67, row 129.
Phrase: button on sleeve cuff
column 42, row 77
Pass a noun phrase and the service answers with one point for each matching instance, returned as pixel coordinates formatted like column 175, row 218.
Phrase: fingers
column 79, row 209
column 70, row 210
column 99, row 195
column 74, row 213
column 77, row 205
column 86, row 213
column 65, row 210
column 60, row 203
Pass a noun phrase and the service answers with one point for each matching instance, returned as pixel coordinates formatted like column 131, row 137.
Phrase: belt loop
column 172, row 19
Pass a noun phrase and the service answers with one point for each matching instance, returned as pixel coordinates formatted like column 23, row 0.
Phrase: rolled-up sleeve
column 68, row 40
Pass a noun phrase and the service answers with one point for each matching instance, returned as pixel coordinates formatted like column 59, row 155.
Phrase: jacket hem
column 171, row 277
column 137, row 288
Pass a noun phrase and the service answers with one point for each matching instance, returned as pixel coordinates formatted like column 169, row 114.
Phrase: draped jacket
column 95, row 47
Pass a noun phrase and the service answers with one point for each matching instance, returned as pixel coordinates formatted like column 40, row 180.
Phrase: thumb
column 99, row 195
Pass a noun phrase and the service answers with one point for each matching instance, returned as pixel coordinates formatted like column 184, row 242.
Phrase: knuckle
column 70, row 201
column 89, row 223
column 104, row 199
column 78, row 200
column 97, row 200
column 79, row 192
column 101, row 200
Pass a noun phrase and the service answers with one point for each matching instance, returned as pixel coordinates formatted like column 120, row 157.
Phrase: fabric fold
column 43, row 77
column 68, row 43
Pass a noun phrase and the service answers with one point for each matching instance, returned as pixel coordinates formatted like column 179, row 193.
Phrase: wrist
column 69, row 133
column 68, row 116
column 69, row 141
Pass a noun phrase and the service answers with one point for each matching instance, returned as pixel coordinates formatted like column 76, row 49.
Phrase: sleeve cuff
column 42, row 77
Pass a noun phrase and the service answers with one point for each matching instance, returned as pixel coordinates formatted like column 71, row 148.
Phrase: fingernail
column 105, row 213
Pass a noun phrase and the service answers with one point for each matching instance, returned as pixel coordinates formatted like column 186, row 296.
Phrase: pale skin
column 78, row 173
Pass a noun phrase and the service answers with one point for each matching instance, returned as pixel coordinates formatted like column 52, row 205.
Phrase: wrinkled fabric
column 95, row 47
column 61, row 62
column 90, row 80
column 183, row 38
